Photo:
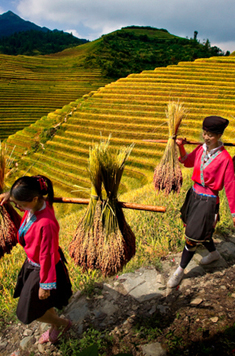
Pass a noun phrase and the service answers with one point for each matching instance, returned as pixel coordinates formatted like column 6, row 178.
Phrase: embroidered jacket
column 215, row 174
column 40, row 239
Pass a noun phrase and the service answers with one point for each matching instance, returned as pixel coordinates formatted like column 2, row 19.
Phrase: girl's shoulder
column 46, row 213
column 46, row 219
column 198, row 150
column 225, row 153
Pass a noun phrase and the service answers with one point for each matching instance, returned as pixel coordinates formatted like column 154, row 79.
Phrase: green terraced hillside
column 34, row 86
column 132, row 109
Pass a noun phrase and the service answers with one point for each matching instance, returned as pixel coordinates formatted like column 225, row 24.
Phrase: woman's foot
column 55, row 334
column 45, row 337
column 211, row 257
column 176, row 278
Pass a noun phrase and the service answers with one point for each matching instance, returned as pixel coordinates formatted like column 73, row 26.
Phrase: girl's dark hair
column 26, row 188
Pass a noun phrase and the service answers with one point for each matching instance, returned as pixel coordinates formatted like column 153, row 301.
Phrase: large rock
column 27, row 342
column 154, row 349
column 227, row 250
column 143, row 284
column 78, row 310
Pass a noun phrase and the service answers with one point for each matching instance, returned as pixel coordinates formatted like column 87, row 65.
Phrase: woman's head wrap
column 215, row 124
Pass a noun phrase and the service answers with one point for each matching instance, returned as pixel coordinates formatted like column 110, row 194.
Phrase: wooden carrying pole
column 157, row 209
column 188, row 142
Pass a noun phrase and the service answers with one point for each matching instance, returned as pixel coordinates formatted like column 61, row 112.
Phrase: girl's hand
column 181, row 141
column 43, row 293
column 4, row 197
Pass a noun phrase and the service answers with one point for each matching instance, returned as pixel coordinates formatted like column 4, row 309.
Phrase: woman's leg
column 187, row 255
column 209, row 245
column 213, row 255
column 50, row 317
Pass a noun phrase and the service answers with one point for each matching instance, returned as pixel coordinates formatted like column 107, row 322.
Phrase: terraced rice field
column 132, row 109
column 31, row 87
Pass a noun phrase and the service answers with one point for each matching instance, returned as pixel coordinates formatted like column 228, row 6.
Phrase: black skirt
column 30, row 307
column 198, row 214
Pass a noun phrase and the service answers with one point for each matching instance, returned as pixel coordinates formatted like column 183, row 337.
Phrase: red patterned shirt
column 214, row 174
column 40, row 238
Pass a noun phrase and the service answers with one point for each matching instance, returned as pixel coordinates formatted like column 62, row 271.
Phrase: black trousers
column 188, row 254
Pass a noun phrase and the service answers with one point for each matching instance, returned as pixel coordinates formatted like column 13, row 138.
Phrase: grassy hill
column 132, row 109
column 32, row 87
column 133, row 49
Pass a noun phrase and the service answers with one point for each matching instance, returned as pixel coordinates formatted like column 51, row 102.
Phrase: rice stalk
column 167, row 174
column 103, row 239
column 9, row 218
column 8, row 231
column 117, row 245
column 83, row 245
column 2, row 168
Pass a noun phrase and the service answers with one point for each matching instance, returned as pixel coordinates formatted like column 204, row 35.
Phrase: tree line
column 38, row 42
column 121, row 53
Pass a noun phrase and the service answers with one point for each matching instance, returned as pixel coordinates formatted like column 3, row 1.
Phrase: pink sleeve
column 229, row 186
column 189, row 159
column 48, row 257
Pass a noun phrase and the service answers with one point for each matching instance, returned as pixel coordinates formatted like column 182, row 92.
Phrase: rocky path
column 134, row 306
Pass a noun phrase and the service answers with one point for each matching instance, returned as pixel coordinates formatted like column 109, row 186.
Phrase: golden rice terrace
column 34, row 86
column 132, row 109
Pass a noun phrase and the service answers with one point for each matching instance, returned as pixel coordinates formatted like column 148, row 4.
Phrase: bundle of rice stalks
column 117, row 245
column 9, row 219
column 167, row 174
column 8, row 231
column 83, row 246
column 103, row 239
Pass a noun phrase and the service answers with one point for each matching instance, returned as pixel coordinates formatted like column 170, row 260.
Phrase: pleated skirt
column 199, row 214
column 30, row 307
